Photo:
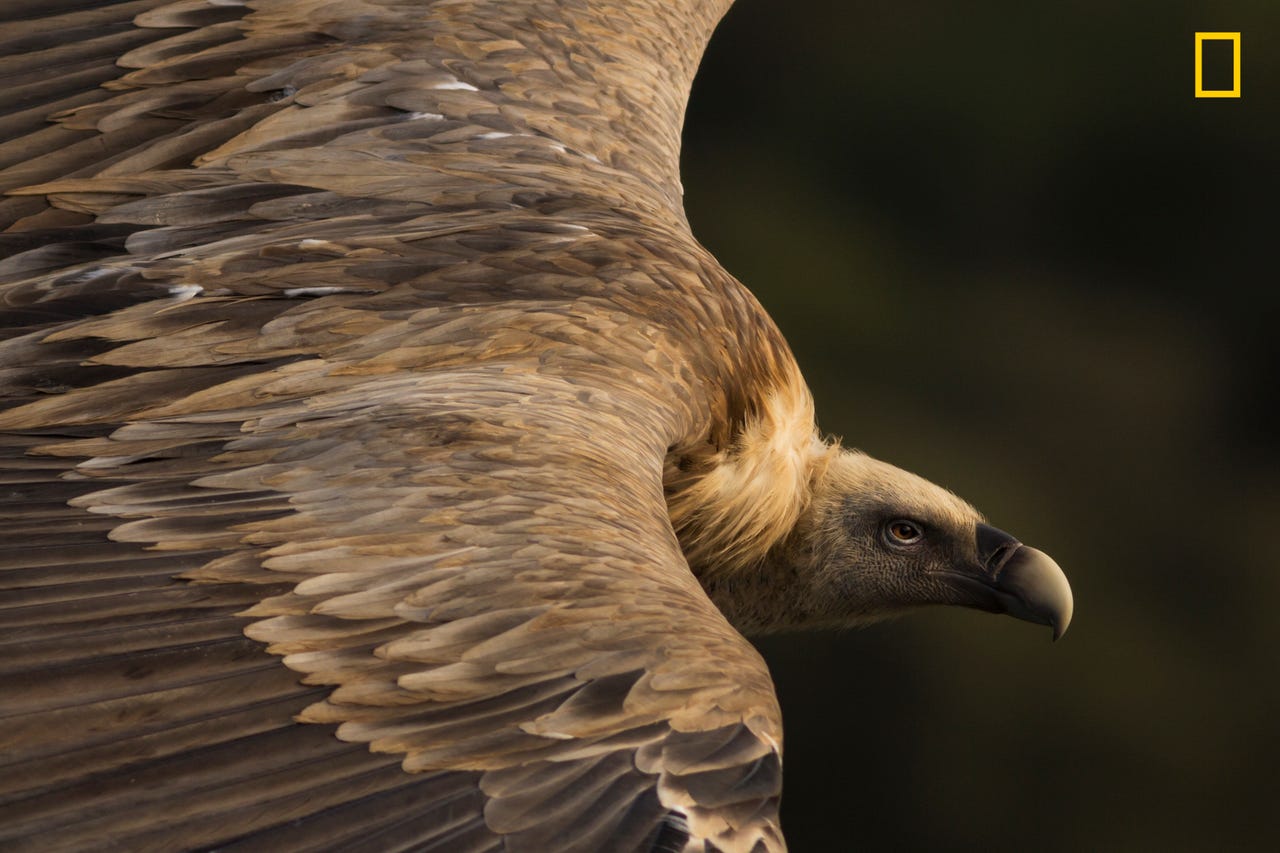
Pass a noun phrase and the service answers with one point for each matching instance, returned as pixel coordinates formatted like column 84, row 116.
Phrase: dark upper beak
column 1022, row 581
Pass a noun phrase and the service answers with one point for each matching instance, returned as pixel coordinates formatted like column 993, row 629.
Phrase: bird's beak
column 1019, row 580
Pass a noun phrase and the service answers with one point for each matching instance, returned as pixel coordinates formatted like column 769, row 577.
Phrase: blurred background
column 1014, row 254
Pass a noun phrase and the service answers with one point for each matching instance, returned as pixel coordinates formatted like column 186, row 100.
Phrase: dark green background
column 1014, row 254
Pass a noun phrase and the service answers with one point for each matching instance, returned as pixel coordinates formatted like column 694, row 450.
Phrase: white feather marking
column 183, row 292
column 425, row 117
column 455, row 84
column 106, row 462
column 94, row 273
column 531, row 728
column 495, row 135
column 317, row 291
column 312, row 243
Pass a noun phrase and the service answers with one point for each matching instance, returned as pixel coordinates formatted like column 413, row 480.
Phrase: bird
column 384, row 463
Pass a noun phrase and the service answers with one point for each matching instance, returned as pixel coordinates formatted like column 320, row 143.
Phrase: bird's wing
column 344, row 342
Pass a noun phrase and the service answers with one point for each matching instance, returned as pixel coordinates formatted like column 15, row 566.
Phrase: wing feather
column 344, row 349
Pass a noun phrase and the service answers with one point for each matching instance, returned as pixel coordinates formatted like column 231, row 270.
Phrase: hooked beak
column 1021, row 581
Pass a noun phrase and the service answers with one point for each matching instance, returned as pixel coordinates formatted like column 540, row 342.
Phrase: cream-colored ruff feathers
column 750, row 495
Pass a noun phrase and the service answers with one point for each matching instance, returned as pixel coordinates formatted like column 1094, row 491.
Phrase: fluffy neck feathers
column 734, row 505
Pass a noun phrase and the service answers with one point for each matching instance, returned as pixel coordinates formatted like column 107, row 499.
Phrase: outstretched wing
column 344, row 346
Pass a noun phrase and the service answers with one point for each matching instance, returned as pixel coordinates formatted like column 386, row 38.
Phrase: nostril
column 995, row 547
column 999, row 557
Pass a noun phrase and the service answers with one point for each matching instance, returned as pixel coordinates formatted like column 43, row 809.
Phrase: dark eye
column 903, row 531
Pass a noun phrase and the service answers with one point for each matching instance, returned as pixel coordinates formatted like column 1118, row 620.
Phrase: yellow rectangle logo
column 1234, row 91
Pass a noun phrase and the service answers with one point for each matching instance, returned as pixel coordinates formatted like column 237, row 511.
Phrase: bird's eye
column 903, row 532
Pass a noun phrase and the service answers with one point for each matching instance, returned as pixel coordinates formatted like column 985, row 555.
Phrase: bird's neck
column 767, row 596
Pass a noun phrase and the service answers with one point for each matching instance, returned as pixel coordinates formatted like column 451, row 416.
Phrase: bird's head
column 874, row 541
column 877, row 540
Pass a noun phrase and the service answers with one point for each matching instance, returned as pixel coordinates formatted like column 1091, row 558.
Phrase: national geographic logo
column 1216, row 64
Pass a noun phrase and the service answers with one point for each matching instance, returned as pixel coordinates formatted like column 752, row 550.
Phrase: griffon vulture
column 384, row 464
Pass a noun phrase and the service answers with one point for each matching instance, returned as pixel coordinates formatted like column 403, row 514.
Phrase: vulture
column 384, row 465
